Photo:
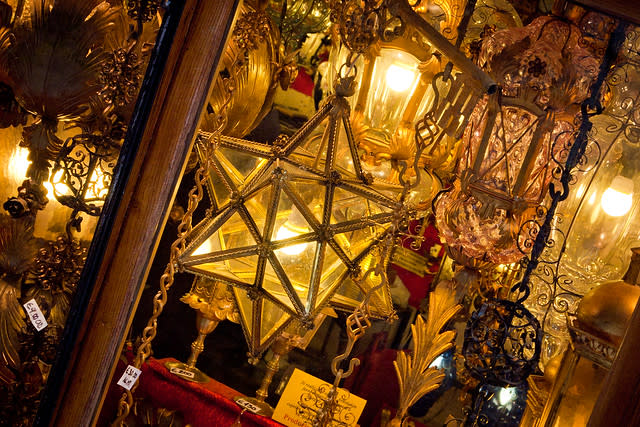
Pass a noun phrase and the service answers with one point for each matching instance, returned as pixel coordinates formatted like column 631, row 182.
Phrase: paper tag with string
column 35, row 315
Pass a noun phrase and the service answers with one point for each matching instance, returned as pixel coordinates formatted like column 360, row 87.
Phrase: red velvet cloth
column 207, row 404
column 303, row 82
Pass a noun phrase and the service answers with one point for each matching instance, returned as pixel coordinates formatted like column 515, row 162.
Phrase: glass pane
column 272, row 319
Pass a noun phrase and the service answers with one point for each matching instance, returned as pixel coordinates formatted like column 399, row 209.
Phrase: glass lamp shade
column 396, row 87
column 601, row 216
column 393, row 91
column 510, row 143
column 597, row 225
column 290, row 221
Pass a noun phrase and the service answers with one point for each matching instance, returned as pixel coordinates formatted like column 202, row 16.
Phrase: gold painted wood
column 160, row 161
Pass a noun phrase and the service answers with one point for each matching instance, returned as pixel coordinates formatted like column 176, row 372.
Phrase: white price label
column 247, row 405
column 182, row 372
column 35, row 315
column 129, row 377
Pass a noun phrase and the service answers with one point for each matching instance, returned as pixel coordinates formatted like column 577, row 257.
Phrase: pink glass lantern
column 511, row 137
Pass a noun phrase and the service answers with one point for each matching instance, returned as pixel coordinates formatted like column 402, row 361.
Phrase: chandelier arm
column 411, row 18
column 302, row 207
column 219, row 256
column 270, row 220
column 353, row 147
column 464, row 22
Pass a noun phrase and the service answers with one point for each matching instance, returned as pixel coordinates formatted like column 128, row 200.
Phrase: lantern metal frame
column 280, row 165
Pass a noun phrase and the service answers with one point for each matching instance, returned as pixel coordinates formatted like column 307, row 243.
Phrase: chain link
column 179, row 245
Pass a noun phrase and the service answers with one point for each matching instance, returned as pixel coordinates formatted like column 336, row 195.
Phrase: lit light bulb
column 616, row 200
column 287, row 231
column 19, row 163
column 399, row 77
column 506, row 395
column 99, row 189
column 55, row 183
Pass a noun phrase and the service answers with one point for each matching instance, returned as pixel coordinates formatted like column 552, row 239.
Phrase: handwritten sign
column 303, row 397
column 35, row 315
column 247, row 405
column 182, row 372
column 129, row 377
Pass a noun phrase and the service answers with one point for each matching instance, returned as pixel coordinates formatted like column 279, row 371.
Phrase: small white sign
column 182, row 372
column 247, row 405
column 35, row 315
column 129, row 377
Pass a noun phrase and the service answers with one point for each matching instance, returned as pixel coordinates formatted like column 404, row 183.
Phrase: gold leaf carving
column 415, row 376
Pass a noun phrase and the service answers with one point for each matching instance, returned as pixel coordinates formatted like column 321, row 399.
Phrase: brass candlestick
column 295, row 336
column 214, row 303
column 281, row 346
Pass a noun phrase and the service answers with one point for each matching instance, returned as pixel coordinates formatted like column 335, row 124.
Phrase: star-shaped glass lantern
column 290, row 221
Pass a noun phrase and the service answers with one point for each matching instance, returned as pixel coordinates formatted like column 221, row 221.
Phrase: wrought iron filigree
column 363, row 23
column 83, row 171
column 313, row 403
column 557, row 281
column 120, row 76
column 502, row 343
column 142, row 10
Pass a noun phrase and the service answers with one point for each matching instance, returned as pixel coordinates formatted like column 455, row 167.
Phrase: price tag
column 35, row 315
column 410, row 261
column 247, row 405
column 182, row 372
column 129, row 377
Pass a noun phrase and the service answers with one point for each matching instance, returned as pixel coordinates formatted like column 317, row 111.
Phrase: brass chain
column 179, row 245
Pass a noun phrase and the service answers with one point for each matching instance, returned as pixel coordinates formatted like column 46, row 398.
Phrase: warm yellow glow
column 99, row 190
column 399, row 77
column 616, row 200
column 55, row 182
column 204, row 248
column 18, row 164
column 287, row 231
column 506, row 395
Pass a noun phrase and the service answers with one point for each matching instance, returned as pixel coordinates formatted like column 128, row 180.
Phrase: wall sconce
column 509, row 141
column 596, row 330
column 290, row 221
column 53, row 64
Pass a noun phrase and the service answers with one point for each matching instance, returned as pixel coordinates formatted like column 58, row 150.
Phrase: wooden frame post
column 148, row 190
